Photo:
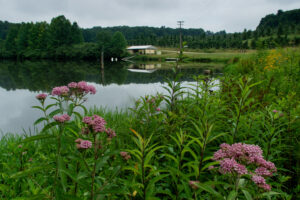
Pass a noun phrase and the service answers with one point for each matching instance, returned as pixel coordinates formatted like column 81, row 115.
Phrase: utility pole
column 180, row 24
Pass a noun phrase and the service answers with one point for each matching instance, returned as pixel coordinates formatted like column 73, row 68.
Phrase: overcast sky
column 213, row 15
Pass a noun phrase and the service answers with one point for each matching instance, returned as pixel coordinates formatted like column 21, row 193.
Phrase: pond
column 117, row 86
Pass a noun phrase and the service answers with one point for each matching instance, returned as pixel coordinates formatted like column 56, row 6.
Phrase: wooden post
column 102, row 59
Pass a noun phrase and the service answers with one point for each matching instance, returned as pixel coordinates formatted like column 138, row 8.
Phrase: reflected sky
column 17, row 112
column 117, row 88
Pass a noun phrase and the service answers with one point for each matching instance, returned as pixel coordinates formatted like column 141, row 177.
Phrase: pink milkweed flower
column 41, row 97
column 60, row 91
column 96, row 122
column 83, row 144
column 275, row 111
column 72, row 85
column 62, row 118
column 157, row 109
column 110, row 133
column 193, row 184
column 125, row 155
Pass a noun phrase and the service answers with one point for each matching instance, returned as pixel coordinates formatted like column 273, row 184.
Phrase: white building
column 142, row 49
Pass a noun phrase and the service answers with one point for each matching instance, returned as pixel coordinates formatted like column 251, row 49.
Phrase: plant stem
column 94, row 167
column 58, row 152
column 143, row 170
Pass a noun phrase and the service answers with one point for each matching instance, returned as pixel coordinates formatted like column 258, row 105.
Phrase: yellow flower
column 134, row 193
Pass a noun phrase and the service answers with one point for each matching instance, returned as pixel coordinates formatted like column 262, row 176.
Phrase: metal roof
column 141, row 47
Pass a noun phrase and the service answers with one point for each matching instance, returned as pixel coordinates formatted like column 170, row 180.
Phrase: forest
column 62, row 39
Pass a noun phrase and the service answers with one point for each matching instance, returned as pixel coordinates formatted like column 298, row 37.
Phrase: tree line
column 62, row 39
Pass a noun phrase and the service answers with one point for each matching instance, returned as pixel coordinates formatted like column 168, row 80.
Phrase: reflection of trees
column 44, row 75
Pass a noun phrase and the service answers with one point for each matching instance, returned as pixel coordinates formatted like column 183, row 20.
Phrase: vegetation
column 62, row 39
column 238, row 142
column 58, row 40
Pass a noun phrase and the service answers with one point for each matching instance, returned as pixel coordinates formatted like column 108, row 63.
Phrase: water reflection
column 116, row 86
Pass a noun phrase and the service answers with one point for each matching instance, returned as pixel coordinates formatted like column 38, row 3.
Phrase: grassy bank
column 197, row 55
column 240, row 142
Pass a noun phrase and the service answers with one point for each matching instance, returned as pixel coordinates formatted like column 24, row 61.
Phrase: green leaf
column 71, row 108
column 247, row 195
column 29, row 171
column 84, row 109
column 55, row 112
column 209, row 189
column 209, row 164
column 63, row 178
column 48, row 126
column 232, row 195
column 40, row 120
column 50, row 105
column 38, row 107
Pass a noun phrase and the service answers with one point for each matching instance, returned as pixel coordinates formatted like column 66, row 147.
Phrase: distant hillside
column 62, row 39
column 287, row 22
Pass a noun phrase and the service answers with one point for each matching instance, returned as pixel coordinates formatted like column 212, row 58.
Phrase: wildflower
column 24, row 153
column 126, row 156
column 72, row 85
column 275, row 111
column 85, row 88
column 157, row 109
column 95, row 122
column 134, row 193
column 110, row 133
column 83, row 144
column 62, row 118
column 30, row 160
column 20, row 146
column 41, row 97
column 60, row 91
column 234, row 159
column 262, row 171
column 193, row 184
column 260, row 182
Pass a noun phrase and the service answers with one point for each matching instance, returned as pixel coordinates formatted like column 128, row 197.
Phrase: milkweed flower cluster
column 96, row 123
column 125, row 155
column 110, row 133
column 62, row 118
column 234, row 159
column 83, row 144
column 81, row 88
column 60, row 91
column 41, row 97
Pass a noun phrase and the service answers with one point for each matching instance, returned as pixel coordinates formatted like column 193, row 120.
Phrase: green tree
column 104, row 41
column 10, row 42
column 118, row 45
column 60, row 32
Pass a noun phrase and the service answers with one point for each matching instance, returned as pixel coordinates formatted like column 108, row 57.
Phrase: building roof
column 141, row 47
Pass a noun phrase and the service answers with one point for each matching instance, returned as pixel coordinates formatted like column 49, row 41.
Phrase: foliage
column 168, row 146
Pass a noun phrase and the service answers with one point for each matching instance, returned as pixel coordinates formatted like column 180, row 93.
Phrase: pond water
column 117, row 86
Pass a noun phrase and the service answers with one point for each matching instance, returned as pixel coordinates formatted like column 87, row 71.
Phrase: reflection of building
column 142, row 49
column 144, row 68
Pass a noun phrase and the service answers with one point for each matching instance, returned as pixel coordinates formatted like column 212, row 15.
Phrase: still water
column 117, row 86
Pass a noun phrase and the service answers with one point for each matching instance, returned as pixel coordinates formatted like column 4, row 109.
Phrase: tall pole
column 102, row 58
column 180, row 24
